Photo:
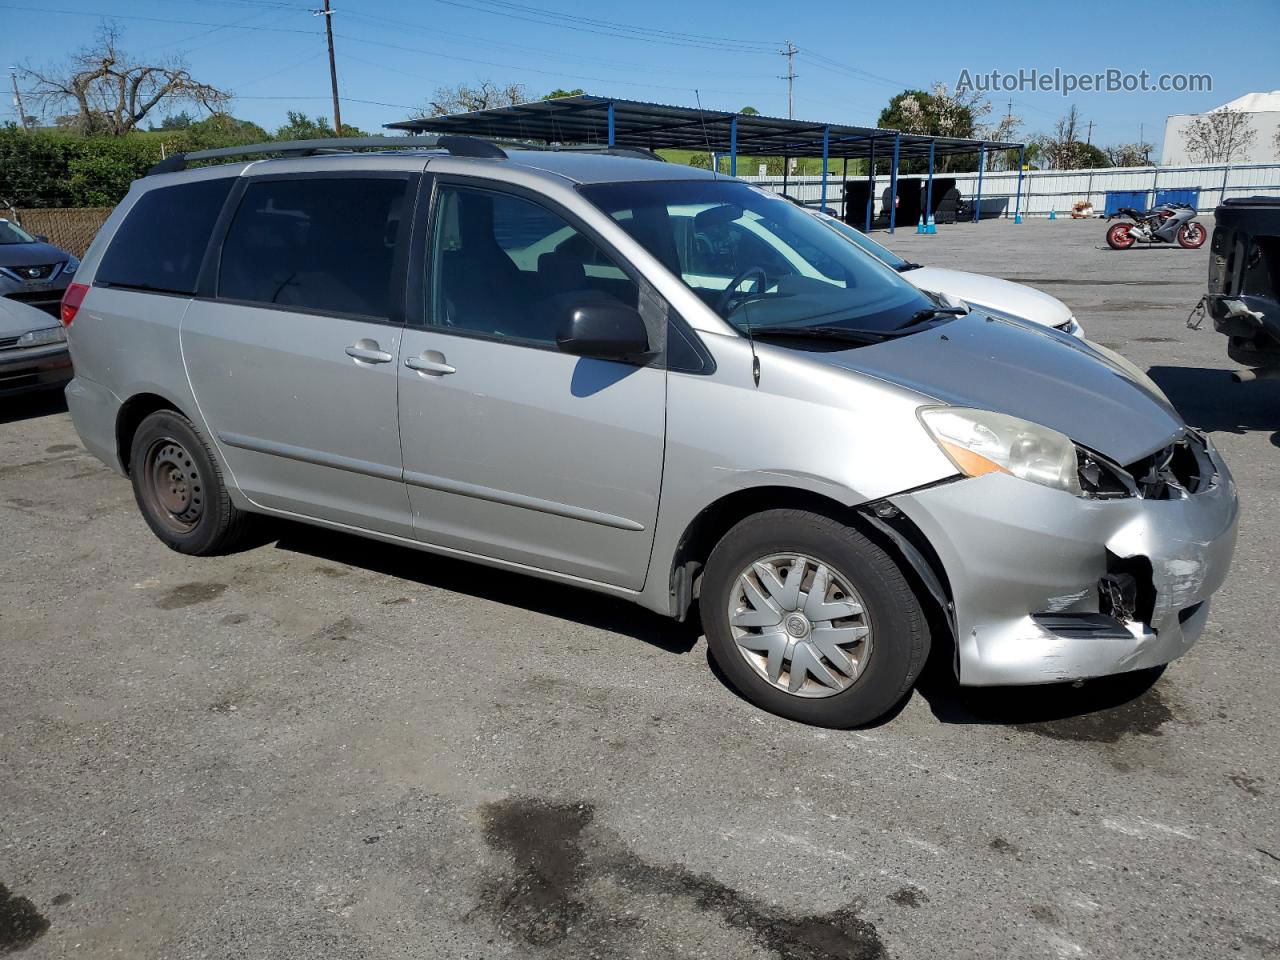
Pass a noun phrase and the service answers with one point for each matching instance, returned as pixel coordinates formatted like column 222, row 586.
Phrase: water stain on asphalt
column 558, row 861
column 1045, row 914
column 1250, row 785
column 21, row 924
column 908, row 897
column 233, row 619
column 61, row 448
column 61, row 900
column 1001, row 845
column 189, row 594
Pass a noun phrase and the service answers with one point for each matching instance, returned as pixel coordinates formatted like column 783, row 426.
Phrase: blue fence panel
column 1125, row 198
column 1188, row 195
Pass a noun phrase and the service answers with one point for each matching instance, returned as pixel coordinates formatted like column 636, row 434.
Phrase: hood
column 17, row 318
column 1003, row 295
column 30, row 254
column 1024, row 371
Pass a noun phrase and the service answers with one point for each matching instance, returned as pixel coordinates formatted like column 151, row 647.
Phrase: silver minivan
column 582, row 367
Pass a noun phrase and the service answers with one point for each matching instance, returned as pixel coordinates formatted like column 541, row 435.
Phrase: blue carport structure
column 612, row 123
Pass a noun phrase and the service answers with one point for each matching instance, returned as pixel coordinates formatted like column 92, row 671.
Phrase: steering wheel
column 732, row 293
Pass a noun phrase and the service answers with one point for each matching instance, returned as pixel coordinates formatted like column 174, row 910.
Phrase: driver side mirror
column 604, row 331
column 42, row 238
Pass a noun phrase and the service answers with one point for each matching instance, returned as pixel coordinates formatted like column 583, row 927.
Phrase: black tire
column 178, row 486
column 900, row 631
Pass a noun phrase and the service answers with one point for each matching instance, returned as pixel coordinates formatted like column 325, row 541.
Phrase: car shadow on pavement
column 1102, row 709
column 28, row 406
column 1211, row 401
column 514, row 589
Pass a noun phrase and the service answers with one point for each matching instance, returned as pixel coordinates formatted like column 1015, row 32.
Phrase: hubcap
column 800, row 624
column 173, row 485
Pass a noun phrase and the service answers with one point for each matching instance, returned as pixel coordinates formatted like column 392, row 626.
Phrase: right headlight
column 980, row 442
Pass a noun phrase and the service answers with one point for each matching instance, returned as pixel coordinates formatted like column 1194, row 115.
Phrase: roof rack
column 459, row 146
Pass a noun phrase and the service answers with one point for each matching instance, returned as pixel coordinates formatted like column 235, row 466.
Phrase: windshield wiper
column 907, row 265
column 933, row 313
column 849, row 334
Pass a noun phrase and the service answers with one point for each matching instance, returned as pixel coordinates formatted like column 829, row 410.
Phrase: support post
column 1226, row 172
column 893, row 183
column 826, row 147
column 786, row 171
column 611, row 126
column 733, row 147
column 982, row 165
column 1017, row 203
column 871, row 185
column 928, row 199
column 1155, row 182
column 844, row 192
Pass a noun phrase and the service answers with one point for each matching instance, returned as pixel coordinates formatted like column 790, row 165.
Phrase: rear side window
column 162, row 240
column 315, row 244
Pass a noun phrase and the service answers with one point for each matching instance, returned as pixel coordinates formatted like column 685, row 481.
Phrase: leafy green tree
column 749, row 112
column 299, row 126
column 558, row 92
column 176, row 121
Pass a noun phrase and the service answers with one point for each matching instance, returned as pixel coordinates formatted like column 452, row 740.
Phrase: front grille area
column 34, row 271
column 8, row 343
column 1173, row 472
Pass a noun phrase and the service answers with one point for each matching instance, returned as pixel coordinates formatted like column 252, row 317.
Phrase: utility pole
column 17, row 98
column 1088, row 137
column 789, row 52
column 333, row 67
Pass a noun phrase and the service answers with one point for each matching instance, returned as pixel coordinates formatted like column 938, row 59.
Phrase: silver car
column 836, row 470
column 33, row 350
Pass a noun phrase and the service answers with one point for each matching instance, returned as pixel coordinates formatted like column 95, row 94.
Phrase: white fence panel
column 1058, row 190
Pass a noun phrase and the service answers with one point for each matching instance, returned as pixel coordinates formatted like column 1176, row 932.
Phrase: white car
column 990, row 294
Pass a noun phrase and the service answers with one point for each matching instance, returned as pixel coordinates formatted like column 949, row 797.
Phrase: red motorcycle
column 1167, row 223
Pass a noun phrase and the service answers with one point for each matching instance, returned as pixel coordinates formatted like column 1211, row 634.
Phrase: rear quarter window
column 162, row 241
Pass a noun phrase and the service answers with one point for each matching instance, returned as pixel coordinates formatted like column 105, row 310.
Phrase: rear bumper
column 94, row 410
column 1024, row 564
column 36, row 369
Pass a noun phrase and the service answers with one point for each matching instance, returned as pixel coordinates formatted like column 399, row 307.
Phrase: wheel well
column 891, row 530
column 132, row 413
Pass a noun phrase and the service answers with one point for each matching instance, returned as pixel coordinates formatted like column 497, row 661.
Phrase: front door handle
column 368, row 351
column 430, row 361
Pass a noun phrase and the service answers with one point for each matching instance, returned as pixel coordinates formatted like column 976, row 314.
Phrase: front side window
column 12, row 233
column 315, row 244
column 757, row 259
column 162, row 241
column 507, row 267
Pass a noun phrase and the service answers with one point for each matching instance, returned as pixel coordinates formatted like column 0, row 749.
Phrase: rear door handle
column 431, row 361
column 368, row 351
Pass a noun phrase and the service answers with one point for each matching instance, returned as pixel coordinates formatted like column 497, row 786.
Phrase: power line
column 123, row 16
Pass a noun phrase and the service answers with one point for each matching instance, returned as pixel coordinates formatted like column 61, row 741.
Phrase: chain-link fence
column 71, row 228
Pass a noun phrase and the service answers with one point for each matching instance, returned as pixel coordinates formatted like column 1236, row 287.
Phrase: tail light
column 71, row 301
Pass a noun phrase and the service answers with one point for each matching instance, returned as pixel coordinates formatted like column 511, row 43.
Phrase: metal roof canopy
column 654, row 126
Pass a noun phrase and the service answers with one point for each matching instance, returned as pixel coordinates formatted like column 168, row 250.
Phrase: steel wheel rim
column 800, row 625
column 173, row 485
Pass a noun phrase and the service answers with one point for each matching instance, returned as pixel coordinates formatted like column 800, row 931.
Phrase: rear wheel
column 810, row 620
column 179, row 488
column 1191, row 235
column 1119, row 237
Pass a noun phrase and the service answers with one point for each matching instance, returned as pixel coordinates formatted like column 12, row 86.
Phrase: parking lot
column 329, row 747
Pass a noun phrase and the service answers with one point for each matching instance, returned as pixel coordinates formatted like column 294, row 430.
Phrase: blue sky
column 392, row 54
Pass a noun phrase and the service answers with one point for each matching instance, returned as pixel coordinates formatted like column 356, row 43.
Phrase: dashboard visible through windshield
column 756, row 259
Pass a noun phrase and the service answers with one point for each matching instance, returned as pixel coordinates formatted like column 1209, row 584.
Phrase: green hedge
column 50, row 169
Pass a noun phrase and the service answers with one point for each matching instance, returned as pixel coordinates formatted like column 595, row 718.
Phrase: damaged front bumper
column 1047, row 587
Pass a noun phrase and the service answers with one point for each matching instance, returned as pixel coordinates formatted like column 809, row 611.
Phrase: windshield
column 755, row 258
column 12, row 233
column 854, row 235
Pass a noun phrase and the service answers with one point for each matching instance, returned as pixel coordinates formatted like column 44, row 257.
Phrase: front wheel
column 179, row 487
column 1191, row 235
column 1120, row 237
column 810, row 620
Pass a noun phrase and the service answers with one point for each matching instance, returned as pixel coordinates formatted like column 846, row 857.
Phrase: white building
column 1264, row 117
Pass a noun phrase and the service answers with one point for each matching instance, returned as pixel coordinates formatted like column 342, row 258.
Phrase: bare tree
column 1061, row 148
column 1220, row 136
column 112, row 93
column 465, row 98
column 1128, row 154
